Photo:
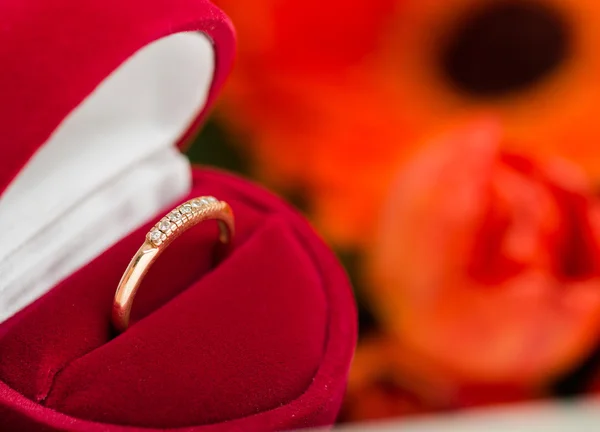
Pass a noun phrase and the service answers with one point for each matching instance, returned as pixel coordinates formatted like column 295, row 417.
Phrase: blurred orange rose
column 487, row 263
column 333, row 98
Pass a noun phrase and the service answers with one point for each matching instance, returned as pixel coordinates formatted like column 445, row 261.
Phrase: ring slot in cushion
column 211, row 343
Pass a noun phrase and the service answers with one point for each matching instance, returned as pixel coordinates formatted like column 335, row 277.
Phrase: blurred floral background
column 448, row 152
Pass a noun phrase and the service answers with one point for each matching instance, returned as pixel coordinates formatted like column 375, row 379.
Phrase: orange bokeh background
column 451, row 148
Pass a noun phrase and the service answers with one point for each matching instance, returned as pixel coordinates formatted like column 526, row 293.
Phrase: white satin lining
column 109, row 167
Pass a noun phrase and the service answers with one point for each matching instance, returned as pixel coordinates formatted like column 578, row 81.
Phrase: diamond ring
column 158, row 238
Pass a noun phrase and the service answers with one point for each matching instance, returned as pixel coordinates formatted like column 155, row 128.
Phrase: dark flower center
column 504, row 47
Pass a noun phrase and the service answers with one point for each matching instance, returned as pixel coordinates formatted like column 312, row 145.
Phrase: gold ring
column 166, row 230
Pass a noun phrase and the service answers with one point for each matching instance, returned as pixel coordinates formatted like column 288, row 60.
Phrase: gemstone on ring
column 175, row 216
column 155, row 235
column 164, row 225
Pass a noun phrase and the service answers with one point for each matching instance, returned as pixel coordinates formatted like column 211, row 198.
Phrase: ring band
column 166, row 230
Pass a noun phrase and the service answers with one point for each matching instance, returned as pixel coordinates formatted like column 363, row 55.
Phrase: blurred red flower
column 301, row 98
column 487, row 263
column 333, row 97
column 388, row 380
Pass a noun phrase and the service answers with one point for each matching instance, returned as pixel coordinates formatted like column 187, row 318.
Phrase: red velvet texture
column 53, row 53
column 256, row 336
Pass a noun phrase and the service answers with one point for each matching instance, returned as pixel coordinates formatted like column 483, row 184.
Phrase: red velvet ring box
column 96, row 96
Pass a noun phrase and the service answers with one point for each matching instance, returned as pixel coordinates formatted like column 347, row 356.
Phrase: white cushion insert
column 109, row 167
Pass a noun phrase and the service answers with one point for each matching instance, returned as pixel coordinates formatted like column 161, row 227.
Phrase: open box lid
column 96, row 96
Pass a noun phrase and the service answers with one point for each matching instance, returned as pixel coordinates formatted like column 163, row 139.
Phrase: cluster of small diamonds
column 179, row 217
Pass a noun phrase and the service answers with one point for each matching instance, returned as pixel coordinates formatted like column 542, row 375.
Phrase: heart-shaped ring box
column 97, row 97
